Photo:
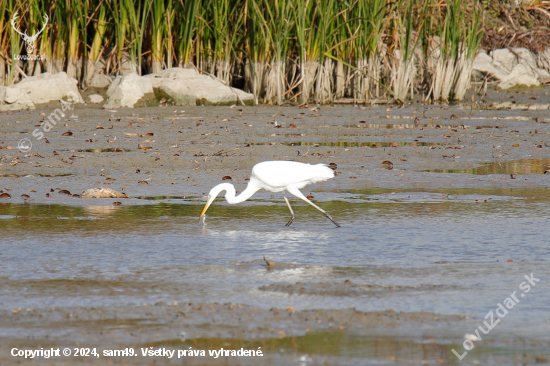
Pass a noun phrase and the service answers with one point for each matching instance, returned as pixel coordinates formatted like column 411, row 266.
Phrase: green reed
column 295, row 51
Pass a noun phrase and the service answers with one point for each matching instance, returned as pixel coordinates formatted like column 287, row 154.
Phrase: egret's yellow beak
column 205, row 208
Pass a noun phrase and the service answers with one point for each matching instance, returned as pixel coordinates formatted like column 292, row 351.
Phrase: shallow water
column 458, row 240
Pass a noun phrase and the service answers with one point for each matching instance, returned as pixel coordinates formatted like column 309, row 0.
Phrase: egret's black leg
column 291, row 211
column 295, row 191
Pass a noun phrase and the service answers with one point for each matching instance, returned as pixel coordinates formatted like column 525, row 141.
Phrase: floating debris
column 102, row 192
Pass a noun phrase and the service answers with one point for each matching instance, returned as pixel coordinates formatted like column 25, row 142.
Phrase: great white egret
column 276, row 176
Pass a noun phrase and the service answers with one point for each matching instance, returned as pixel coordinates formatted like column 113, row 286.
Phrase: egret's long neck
column 230, row 192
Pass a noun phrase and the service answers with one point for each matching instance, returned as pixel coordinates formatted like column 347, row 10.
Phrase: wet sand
column 207, row 326
column 181, row 152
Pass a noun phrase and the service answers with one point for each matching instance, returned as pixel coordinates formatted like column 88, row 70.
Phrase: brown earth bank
column 183, row 152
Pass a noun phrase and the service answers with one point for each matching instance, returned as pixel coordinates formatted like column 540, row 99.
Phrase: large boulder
column 128, row 91
column 101, row 81
column 12, row 99
column 515, row 67
column 189, row 87
column 48, row 87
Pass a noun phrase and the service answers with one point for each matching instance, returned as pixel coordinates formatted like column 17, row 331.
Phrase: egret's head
column 213, row 194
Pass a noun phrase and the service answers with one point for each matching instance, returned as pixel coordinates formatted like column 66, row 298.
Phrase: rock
column 543, row 61
column 101, row 81
column 521, row 106
column 520, row 75
column 189, row 87
column 514, row 67
column 128, row 90
column 102, row 192
column 12, row 99
column 95, row 98
column 48, row 87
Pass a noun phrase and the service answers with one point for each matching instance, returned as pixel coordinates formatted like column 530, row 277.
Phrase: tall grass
column 452, row 56
column 296, row 51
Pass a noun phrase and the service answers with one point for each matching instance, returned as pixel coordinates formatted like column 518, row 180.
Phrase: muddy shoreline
column 182, row 152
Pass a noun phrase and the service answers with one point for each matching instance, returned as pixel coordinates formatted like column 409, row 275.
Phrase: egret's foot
column 291, row 221
column 331, row 219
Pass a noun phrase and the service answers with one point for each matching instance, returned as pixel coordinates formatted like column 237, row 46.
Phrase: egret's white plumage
column 277, row 176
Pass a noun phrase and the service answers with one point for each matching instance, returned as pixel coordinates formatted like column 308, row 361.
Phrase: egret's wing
column 279, row 174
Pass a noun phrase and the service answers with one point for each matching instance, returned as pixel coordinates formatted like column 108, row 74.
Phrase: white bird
column 277, row 176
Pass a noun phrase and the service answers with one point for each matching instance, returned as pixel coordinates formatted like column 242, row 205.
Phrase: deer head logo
column 29, row 40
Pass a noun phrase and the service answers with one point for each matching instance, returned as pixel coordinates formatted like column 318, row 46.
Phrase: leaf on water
column 362, row 121
column 226, row 177
column 5, row 195
column 148, row 134
column 68, row 133
column 24, row 195
column 46, row 140
column 142, row 182
column 292, row 125
column 387, row 164
column 64, row 191
column 515, row 145
column 332, row 166
column 117, row 203
column 48, row 195
column 99, row 128
column 55, row 152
